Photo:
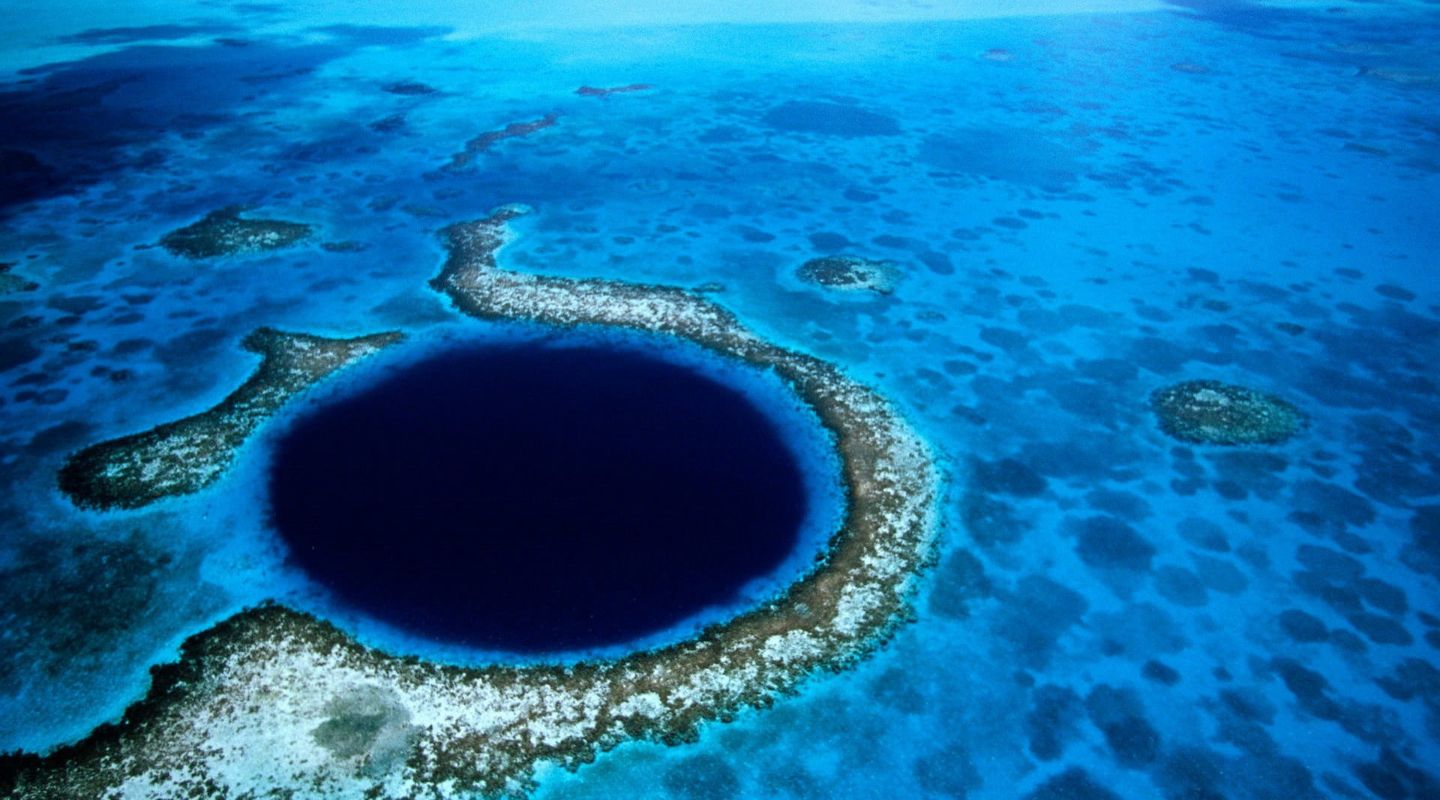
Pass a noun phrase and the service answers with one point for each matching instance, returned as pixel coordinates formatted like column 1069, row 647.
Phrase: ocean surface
column 1081, row 203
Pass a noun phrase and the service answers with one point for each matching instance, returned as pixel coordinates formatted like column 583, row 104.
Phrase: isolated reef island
column 224, row 233
column 274, row 702
column 850, row 273
column 1211, row 412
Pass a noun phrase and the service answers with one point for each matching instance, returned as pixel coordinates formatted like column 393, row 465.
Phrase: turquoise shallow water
column 1082, row 208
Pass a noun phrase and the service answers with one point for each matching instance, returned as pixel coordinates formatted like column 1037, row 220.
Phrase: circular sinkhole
column 538, row 499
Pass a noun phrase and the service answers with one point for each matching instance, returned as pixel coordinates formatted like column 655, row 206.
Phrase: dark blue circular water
column 537, row 499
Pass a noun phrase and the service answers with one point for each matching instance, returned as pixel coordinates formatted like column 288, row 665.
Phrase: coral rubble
column 187, row 455
column 1211, row 412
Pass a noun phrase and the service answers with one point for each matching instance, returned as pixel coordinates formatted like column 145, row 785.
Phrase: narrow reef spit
column 250, row 708
column 225, row 233
column 409, row 88
column 606, row 91
column 1211, row 412
column 189, row 454
column 481, row 143
column 850, row 274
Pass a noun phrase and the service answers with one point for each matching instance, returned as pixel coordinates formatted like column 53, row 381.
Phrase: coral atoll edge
column 274, row 700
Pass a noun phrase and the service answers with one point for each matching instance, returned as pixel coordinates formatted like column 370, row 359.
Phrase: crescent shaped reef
column 276, row 698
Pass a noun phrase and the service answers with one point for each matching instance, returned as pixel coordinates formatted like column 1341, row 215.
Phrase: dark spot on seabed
column 835, row 119
column 896, row 688
column 1389, row 777
column 1317, row 698
column 147, row 33
column 702, row 777
column 1252, row 17
column 1302, row 627
column 1160, row 673
column 990, row 520
column 829, row 242
column 1249, row 703
column 61, row 436
column 537, row 498
column 1072, row 784
column 72, row 124
column 1035, row 615
column 948, row 772
column 1120, row 716
column 67, row 608
column 1422, row 553
column 1016, row 155
column 1180, row 586
column 391, row 124
column 1203, row 534
column 409, row 88
column 961, row 581
column 1126, row 505
column 1008, row 476
column 16, row 351
column 1053, row 721
column 1106, row 542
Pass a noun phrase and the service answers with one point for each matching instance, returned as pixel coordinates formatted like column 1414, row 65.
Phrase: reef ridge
column 186, row 455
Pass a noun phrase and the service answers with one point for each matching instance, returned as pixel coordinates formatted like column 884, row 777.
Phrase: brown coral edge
column 238, row 715
column 186, row 455
column 484, row 141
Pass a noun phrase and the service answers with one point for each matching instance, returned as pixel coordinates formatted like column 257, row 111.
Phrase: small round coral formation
column 850, row 273
column 1211, row 412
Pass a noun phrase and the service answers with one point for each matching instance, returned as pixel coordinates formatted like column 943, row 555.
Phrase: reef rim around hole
column 238, row 713
column 548, row 496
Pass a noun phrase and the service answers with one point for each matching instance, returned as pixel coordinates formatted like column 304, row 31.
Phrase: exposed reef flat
column 850, row 273
column 250, row 709
column 189, row 454
column 225, row 233
column 1211, row 412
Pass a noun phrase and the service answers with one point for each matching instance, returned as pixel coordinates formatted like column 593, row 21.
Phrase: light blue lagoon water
column 1082, row 206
